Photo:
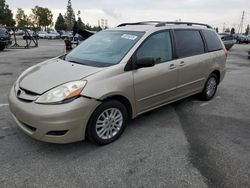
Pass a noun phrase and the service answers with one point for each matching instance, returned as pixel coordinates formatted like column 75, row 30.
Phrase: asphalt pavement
column 190, row 143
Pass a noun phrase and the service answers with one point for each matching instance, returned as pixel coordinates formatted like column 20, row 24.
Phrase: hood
column 47, row 75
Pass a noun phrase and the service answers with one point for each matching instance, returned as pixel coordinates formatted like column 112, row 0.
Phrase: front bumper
column 62, row 123
column 6, row 43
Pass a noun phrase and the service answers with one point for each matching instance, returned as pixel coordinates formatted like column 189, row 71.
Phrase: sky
column 214, row 12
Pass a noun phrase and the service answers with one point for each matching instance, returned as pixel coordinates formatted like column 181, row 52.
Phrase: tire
column 102, row 131
column 2, row 48
column 210, row 87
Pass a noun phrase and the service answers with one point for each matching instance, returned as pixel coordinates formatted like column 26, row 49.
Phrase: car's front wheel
column 210, row 87
column 107, row 123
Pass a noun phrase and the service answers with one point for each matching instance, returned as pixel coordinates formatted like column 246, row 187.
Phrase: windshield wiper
column 76, row 62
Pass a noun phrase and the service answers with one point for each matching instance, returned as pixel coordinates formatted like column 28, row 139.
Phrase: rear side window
column 212, row 40
column 157, row 46
column 188, row 43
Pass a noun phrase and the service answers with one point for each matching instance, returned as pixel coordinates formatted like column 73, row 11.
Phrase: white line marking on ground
column 2, row 105
column 204, row 104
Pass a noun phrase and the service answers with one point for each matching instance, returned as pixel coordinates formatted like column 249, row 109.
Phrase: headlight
column 62, row 92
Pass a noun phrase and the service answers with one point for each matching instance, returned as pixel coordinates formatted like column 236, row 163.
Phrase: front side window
column 188, row 43
column 105, row 48
column 157, row 46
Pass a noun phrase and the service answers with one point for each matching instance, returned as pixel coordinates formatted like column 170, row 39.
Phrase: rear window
column 212, row 40
column 188, row 43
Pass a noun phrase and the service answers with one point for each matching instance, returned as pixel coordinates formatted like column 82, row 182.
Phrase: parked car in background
column 67, row 34
column 5, row 38
column 114, row 76
column 42, row 34
column 242, row 39
column 228, row 40
column 60, row 32
column 30, row 35
column 77, row 37
column 53, row 35
column 19, row 32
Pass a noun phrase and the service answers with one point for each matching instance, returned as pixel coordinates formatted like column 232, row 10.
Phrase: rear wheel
column 210, row 87
column 107, row 123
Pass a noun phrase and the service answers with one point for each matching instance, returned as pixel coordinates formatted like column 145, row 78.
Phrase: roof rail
column 182, row 23
column 141, row 23
column 160, row 23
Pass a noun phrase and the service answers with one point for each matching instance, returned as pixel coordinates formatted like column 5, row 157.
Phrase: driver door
column 155, row 86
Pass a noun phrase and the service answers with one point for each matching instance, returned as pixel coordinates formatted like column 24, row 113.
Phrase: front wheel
column 210, row 87
column 107, row 123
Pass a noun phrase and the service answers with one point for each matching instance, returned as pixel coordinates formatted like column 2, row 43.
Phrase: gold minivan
column 116, row 75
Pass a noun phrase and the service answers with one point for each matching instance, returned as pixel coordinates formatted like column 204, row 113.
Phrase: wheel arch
column 124, row 100
column 218, row 74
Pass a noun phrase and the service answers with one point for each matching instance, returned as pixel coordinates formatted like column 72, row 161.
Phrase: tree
column 42, row 17
column 96, row 28
column 60, row 23
column 6, row 16
column 69, row 16
column 22, row 19
column 80, row 24
column 247, row 30
column 75, row 28
column 232, row 31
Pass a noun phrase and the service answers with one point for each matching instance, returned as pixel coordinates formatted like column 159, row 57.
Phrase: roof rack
column 140, row 23
column 160, row 23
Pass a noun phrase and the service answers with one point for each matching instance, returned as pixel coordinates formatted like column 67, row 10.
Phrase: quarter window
column 157, row 46
column 212, row 40
column 188, row 43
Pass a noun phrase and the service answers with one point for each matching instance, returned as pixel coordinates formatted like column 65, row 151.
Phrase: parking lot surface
column 190, row 143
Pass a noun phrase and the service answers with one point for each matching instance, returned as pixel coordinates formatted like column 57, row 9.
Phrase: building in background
column 103, row 23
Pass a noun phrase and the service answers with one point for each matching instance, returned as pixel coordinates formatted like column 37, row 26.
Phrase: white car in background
column 42, row 34
column 53, row 35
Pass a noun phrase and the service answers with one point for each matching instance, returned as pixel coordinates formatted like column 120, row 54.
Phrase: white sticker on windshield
column 129, row 37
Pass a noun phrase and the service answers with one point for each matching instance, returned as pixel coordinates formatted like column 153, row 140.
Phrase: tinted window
column 212, row 40
column 188, row 43
column 157, row 46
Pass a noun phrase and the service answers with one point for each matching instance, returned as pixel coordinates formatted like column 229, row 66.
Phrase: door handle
column 182, row 63
column 172, row 66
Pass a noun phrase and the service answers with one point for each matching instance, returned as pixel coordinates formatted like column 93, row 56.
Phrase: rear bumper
column 63, row 123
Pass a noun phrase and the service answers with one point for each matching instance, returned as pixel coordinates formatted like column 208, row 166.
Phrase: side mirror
column 145, row 62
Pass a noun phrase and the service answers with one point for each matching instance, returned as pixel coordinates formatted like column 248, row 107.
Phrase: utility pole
column 241, row 22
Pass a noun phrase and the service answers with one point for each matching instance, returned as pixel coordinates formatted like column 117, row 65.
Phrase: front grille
column 28, row 91
column 30, row 128
column 26, row 95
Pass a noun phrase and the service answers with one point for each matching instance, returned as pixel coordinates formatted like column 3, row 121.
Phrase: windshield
column 105, row 48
